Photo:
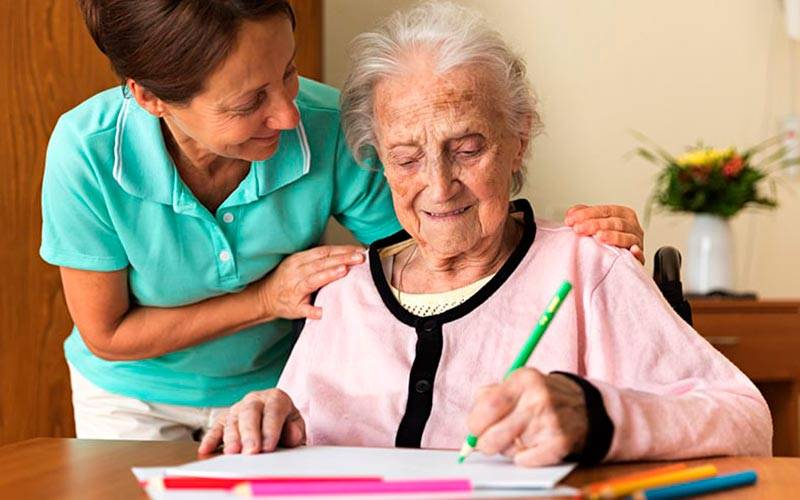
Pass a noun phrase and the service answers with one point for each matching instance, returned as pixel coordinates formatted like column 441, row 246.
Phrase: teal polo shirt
column 112, row 199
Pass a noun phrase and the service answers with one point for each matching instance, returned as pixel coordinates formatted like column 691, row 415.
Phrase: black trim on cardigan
column 428, row 352
column 601, row 428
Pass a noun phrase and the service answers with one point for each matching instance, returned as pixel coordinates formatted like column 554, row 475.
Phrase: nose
column 283, row 114
column 442, row 181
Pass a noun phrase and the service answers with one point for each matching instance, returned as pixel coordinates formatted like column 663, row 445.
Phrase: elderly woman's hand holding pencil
column 535, row 418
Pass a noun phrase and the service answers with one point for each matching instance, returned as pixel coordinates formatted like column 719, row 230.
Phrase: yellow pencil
column 626, row 488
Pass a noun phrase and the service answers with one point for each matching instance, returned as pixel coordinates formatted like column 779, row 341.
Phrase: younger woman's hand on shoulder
column 260, row 422
column 610, row 224
column 286, row 291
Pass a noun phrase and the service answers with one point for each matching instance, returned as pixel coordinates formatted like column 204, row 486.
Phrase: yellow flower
column 705, row 157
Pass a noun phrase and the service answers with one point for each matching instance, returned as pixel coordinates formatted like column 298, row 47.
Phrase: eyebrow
column 229, row 107
column 448, row 142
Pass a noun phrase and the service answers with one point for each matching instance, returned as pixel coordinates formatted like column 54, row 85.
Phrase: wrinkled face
column 448, row 156
column 248, row 100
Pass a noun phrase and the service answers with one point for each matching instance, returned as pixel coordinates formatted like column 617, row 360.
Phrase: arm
column 668, row 392
column 100, row 306
column 80, row 236
column 653, row 389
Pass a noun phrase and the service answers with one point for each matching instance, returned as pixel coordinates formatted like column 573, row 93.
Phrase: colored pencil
column 598, row 486
column 219, row 483
column 353, row 488
column 525, row 353
column 626, row 488
column 701, row 487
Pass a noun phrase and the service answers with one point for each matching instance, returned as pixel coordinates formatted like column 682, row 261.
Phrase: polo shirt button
column 227, row 217
column 422, row 386
column 224, row 256
column 429, row 325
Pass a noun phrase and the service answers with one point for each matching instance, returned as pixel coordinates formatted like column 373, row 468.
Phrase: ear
column 524, row 138
column 146, row 99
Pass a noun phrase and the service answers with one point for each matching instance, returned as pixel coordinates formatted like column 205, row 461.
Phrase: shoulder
column 555, row 237
column 557, row 250
column 349, row 290
column 316, row 97
column 96, row 115
column 605, row 268
column 84, row 136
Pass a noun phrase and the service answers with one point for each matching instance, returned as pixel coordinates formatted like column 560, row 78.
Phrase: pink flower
column 733, row 167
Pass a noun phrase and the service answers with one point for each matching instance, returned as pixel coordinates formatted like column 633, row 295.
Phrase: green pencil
column 536, row 335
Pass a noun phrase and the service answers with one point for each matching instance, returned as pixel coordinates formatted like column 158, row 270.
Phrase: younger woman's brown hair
column 170, row 47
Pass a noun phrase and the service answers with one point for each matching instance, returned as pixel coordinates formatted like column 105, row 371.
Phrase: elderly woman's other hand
column 536, row 419
column 259, row 422
column 286, row 291
column 611, row 224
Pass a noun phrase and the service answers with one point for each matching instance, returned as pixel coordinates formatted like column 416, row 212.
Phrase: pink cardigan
column 371, row 374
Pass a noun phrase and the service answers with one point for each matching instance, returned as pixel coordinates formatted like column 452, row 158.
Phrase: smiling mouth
column 268, row 138
column 444, row 215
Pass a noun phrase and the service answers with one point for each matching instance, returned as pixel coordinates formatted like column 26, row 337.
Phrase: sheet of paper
column 390, row 463
column 144, row 473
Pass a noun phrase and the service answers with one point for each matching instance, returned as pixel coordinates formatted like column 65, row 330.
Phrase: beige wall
column 676, row 70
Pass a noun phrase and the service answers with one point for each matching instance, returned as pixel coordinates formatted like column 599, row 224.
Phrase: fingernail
column 265, row 444
column 356, row 257
column 250, row 445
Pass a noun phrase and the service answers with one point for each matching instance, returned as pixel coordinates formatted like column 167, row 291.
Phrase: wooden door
column 49, row 64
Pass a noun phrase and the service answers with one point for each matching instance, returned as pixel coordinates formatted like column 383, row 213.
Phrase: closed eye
column 407, row 163
column 471, row 152
column 467, row 154
column 261, row 96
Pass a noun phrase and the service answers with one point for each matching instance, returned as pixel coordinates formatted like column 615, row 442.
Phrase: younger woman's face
column 249, row 99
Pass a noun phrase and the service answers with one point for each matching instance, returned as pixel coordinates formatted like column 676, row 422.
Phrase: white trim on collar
column 121, row 118
column 301, row 133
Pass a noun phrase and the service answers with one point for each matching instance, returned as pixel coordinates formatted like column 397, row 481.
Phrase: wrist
column 258, row 295
column 600, row 428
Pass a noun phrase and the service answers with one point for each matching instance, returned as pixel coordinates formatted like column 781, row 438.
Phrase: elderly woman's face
column 448, row 156
column 249, row 99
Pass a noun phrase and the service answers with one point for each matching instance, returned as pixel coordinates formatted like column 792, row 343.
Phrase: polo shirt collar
column 290, row 162
column 143, row 167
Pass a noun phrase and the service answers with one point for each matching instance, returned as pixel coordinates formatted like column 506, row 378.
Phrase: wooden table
column 762, row 338
column 85, row 469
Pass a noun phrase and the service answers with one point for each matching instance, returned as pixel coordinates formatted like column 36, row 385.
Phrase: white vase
column 709, row 263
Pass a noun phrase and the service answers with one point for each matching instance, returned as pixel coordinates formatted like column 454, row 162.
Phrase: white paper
column 145, row 473
column 388, row 463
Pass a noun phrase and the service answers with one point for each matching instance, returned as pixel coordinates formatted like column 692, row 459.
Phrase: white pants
column 100, row 414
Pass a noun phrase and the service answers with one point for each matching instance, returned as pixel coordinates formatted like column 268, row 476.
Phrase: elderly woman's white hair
column 455, row 36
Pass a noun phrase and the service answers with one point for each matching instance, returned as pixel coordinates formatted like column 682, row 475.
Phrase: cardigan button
column 422, row 386
column 429, row 325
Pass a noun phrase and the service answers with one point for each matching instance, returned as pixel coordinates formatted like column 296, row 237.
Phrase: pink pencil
column 352, row 487
column 215, row 483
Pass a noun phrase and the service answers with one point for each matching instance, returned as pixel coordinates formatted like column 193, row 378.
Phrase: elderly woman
column 181, row 210
column 413, row 344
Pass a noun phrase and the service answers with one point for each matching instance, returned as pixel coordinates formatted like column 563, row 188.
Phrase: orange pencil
column 624, row 488
column 600, row 485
